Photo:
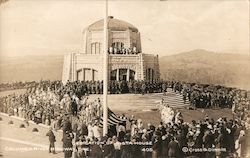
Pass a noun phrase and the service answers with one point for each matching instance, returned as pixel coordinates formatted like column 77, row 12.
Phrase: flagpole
column 105, row 70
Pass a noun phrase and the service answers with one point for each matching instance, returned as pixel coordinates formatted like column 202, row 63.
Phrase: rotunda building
column 126, row 60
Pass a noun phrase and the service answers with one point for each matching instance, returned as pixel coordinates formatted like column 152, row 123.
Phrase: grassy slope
column 195, row 66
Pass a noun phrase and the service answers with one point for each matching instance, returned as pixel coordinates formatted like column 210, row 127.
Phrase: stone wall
column 138, row 63
column 151, row 61
column 91, row 61
column 67, row 73
column 17, row 121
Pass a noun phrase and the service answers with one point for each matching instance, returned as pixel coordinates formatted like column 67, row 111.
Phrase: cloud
column 168, row 27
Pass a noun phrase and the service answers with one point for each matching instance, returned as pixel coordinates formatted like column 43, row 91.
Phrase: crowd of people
column 122, row 50
column 211, row 96
column 173, row 137
column 207, row 137
column 199, row 95
column 68, row 107
column 15, row 85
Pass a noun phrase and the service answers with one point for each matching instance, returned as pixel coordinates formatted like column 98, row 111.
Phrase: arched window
column 87, row 74
column 95, row 48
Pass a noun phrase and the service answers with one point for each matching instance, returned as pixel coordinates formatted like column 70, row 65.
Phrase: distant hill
column 207, row 67
column 28, row 68
column 193, row 66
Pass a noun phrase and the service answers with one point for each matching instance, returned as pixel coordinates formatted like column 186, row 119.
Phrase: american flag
column 113, row 119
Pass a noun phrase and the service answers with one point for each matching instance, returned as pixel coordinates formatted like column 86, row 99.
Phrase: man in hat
column 52, row 140
column 174, row 149
column 164, row 88
column 67, row 145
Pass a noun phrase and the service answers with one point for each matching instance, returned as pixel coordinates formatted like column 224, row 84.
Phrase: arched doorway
column 86, row 74
column 122, row 75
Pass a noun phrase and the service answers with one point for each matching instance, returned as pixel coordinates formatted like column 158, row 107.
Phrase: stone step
column 144, row 102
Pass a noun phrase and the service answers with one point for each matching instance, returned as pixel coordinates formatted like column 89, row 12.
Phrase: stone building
column 126, row 60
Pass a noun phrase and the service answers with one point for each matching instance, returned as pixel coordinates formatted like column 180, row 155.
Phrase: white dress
column 96, row 132
column 90, row 132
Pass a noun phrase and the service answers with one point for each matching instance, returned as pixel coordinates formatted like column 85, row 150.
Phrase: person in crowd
column 117, row 147
column 66, row 125
column 74, row 107
column 173, row 148
column 67, row 144
column 96, row 130
column 241, row 144
column 95, row 149
column 121, row 132
column 52, row 140
column 108, row 149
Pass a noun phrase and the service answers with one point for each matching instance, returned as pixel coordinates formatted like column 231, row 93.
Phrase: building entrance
column 122, row 75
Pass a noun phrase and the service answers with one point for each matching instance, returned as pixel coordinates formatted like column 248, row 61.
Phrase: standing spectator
column 156, row 146
column 117, row 147
column 96, row 130
column 74, row 107
column 52, row 140
column 68, row 146
column 108, row 149
column 66, row 126
column 95, row 150
column 173, row 148
column 241, row 144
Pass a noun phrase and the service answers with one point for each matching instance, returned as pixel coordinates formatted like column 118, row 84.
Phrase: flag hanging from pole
column 113, row 119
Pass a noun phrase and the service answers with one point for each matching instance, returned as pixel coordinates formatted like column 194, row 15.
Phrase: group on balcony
column 122, row 50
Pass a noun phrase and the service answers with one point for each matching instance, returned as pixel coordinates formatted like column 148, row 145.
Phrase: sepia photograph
column 124, row 78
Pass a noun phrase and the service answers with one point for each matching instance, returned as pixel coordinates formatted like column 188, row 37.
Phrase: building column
column 91, row 74
column 152, row 79
column 83, row 74
column 127, row 75
column 149, row 75
column 117, row 74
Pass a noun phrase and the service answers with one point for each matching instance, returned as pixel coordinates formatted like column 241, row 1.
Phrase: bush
column 1, row 119
column 22, row 126
column 10, row 122
column 35, row 130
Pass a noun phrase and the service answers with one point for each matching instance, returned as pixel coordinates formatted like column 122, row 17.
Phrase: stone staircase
column 131, row 102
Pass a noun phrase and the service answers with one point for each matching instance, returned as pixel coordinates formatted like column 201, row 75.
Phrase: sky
column 52, row 27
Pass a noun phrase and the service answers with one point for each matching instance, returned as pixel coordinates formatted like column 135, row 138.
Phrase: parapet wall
column 17, row 121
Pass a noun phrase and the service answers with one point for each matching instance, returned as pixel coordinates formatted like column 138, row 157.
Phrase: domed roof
column 113, row 24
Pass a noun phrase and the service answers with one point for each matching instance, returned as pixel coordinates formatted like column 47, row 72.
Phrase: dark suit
column 52, row 140
column 173, row 149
